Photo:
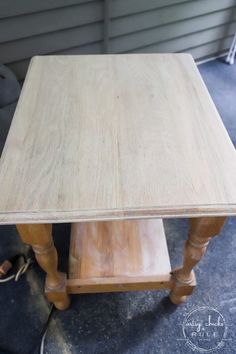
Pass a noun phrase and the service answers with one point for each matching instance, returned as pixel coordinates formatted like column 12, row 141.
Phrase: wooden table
column 113, row 144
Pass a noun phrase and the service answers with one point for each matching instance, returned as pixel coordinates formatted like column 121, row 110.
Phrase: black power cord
column 39, row 342
column 37, row 346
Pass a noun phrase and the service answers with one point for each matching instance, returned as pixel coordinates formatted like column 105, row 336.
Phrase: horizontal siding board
column 62, row 18
column 11, row 8
column 197, row 27
column 93, row 48
column 151, row 19
column 129, row 7
column 205, row 50
column 20, row 67
column 120, row 8
column 211, row 49
column 51, row 42
column 32, row 27
column 180, row 44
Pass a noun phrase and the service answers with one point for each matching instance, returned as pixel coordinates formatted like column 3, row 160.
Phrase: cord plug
column 5, row 267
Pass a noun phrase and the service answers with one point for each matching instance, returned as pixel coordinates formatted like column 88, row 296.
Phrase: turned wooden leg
column 39, row 236
column 200, row 233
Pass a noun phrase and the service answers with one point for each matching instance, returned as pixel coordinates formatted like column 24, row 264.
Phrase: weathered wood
column 116, row 136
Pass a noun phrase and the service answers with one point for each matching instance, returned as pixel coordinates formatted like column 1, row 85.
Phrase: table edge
column 73, row 216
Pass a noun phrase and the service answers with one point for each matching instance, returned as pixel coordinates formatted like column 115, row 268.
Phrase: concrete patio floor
column 134, row 322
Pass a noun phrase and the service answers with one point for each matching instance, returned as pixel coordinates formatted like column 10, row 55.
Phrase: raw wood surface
column 40, row 238
column 200, row 233
column 102, row 137
column 116, row 255
column 118, row 284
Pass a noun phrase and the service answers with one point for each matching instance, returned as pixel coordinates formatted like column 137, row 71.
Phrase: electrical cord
column 4, row 268
column 39, row 343
column 42, row 343
column 19, row 272
column 9, row 263
column 46, row 329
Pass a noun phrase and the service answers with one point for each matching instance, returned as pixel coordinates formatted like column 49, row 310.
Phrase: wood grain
column 115, row 136
column 118, row 284
column 200, row 233
column 40, row 238
column 117, row 255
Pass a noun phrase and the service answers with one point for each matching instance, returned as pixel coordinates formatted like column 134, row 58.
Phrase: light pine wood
column 115, row 136
column 40, row 238
column 118, row 284
column 118, row 256
column 200, row 233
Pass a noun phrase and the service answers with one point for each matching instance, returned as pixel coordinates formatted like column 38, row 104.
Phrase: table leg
column 200, row 233
column 39, row 236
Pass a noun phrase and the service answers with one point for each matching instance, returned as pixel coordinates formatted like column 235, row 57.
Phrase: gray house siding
column 30, row 27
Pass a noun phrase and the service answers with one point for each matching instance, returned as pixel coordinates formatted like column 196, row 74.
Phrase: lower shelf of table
column 108, row 256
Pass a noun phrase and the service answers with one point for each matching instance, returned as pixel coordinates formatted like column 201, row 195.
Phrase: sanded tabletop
column 115, row 136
